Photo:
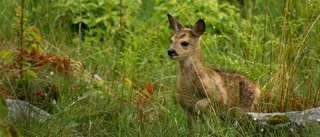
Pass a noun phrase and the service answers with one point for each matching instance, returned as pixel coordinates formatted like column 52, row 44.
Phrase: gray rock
column 299, row 121
column 21, row 110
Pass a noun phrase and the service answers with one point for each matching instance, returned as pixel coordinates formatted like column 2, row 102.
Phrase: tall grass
column 274, row 43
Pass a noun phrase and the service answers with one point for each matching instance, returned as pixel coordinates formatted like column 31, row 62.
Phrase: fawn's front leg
column 202, row 106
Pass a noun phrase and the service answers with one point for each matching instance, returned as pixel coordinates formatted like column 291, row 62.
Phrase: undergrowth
column 100, row 67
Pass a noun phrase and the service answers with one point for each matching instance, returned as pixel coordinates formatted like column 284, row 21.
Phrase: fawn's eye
column 185, row 44
column 171, row 41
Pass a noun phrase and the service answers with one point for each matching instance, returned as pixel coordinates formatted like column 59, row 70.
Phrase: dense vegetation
column 53, row 54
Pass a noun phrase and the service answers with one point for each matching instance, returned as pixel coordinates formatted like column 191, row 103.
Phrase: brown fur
column 200, row 87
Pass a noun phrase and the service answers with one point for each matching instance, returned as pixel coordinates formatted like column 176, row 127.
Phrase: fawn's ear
column 174, row 24
column 199, row 28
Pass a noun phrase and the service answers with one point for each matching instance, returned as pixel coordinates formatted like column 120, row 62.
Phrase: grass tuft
column 100, row 67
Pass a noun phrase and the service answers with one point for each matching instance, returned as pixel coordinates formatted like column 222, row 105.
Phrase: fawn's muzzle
column 172, row 52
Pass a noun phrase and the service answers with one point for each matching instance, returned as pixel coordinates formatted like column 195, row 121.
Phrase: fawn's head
column 185, row 42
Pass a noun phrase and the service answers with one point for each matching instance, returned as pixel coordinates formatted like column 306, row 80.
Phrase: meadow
column 100, row 67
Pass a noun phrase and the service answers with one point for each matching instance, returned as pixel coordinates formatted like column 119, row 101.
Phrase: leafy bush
column 123, row 44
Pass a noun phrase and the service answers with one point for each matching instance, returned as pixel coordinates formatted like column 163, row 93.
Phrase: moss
column 278, row 119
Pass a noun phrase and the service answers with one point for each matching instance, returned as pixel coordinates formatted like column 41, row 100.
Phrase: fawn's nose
column 172, row 52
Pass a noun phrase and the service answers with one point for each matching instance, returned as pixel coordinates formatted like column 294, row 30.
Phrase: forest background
column 100, row 67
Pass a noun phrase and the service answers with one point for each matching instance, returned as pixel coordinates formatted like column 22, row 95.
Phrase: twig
column 21, row 39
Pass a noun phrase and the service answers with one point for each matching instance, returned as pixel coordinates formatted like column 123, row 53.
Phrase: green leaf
column 31, row 74
column 76, row 20
column 98, row 84
column 5, row 54
column 26, row 63
column 101, row 2
column 35, row 35
column 36, row 46
column 3, row 109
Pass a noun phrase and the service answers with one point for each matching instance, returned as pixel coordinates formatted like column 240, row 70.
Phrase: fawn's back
column 200, row 87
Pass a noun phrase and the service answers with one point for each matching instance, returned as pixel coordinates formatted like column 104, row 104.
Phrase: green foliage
column 5, row 57
column 97, row 17
column 30, row 34
column 4, row 109
column 6, row 131
column 125, row 43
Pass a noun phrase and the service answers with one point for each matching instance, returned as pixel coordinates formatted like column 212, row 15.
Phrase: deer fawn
column 199, row 87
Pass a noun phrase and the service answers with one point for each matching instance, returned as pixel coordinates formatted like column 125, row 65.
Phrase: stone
column 22, row 111
column 294, row 122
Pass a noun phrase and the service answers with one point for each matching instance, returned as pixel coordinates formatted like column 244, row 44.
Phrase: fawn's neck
column 190, row 66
